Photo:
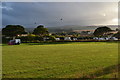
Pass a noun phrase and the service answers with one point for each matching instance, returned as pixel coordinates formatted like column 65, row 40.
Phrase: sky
column 55, row 14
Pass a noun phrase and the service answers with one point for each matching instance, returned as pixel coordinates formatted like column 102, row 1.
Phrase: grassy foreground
column 71, row 60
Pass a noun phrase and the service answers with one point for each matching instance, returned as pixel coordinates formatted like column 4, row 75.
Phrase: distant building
column 23, row 35
column 111, row 32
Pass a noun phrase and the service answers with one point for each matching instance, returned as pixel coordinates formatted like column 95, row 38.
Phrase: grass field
column 70, row 60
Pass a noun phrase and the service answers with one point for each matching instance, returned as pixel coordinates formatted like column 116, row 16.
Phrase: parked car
column 14, row 42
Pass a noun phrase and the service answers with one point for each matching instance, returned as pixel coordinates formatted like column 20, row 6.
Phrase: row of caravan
column 105, row 38
column 18, row 41
column 94, row 38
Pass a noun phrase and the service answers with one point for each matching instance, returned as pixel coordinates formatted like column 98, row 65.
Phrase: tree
column 117, row 29
column 40, row 30
column 13, row 30
column 117, row 35
column 101, row 31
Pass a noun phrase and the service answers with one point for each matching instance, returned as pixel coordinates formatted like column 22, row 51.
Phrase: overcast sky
column 31, row 14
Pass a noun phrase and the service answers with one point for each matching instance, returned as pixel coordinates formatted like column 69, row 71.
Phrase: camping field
column 67, row 60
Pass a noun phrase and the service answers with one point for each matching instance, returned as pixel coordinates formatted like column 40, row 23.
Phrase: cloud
column 50, row 13
column 6, row 6
column 60, row 0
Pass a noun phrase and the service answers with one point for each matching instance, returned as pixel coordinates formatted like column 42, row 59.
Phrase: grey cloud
column 50, row 13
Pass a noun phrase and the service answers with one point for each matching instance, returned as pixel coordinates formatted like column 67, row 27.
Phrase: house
column 23, row 35
column 111, row 32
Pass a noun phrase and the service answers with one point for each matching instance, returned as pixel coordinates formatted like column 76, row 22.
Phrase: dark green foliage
column 35, row 38
column 13, row 30
column 51, row 38
column 101, row 30
column 40, row 30
column 117, row 35
column 31, row 38
column 39, row 38
column 6, row 40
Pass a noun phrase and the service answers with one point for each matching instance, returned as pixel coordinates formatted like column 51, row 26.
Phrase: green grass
column 71, row 60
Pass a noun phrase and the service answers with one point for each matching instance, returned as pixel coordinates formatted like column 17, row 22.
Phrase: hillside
column 71, row 28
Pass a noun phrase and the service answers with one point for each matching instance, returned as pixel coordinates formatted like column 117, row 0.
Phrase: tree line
column 40, row 31
column 14, row 30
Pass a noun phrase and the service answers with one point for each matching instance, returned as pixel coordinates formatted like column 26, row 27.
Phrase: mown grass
column 71, row 60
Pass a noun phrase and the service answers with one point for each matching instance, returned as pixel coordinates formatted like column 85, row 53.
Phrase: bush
column 39, row 38
column 6, row 40
column 30, row 38
column 52, row 38
column 35, row 38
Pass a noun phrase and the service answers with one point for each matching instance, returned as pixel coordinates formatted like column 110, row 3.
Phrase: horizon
column 82, row 28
